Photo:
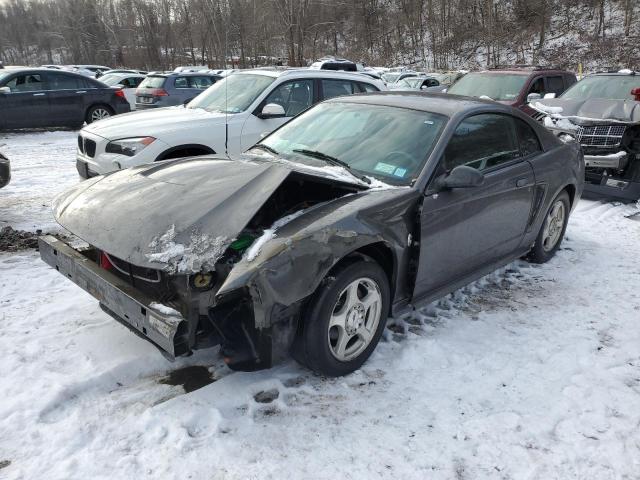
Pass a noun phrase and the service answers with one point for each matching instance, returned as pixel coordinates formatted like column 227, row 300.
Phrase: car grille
column 538, row 116
column 129, row 270
column 86, row 146
column 600, row 136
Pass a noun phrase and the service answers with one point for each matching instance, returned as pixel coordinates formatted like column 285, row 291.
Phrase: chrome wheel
column 553, row 226
column 99, row 113
column 354, row 319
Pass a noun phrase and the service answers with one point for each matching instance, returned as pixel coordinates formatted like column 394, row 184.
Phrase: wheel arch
column 190, row 150
column 97, row 104
column 381, row 253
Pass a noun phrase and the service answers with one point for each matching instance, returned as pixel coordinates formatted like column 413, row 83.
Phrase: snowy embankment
column 532, row 372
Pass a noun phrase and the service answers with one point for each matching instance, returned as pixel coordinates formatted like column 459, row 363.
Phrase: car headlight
column 129, row 146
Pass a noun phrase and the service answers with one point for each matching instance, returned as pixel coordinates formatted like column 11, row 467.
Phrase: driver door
column 466, row 229
column 294, row 97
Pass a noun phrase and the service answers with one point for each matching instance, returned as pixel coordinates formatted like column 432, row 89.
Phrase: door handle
column 38, row 94
column 81, row 91
column 521, row 182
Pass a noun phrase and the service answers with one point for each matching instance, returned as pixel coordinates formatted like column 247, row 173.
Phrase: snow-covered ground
column 531, row 373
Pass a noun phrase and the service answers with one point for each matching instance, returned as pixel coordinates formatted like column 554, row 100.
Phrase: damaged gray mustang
column 361, row 207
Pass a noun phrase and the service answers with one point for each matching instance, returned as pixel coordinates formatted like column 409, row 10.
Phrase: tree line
column 430, row 34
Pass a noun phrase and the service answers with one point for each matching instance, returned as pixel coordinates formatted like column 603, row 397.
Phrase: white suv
column 251, row 103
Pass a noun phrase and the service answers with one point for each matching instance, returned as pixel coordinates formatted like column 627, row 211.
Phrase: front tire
column 98, row 112
column 552, row 230
column 345, row 320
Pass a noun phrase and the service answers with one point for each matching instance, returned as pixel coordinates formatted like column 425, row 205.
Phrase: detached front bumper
column 126, row 304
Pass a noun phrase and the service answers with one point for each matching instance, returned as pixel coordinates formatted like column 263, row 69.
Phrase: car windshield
column 441, row 77
column 390, row 77
column 389, row 143
column 411, row 82
column 234, row 94
column 497, row 86
column 3, row 77
column 614, row 87
column 112, row 79
column 152, row 82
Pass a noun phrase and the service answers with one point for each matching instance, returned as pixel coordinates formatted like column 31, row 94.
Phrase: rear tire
column 552, row 230
column 344, row 320
column 98, row 112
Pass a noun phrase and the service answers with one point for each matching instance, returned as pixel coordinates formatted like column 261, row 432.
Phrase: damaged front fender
column 291, row 266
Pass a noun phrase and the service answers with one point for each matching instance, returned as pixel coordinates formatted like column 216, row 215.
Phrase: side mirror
column 5, row 90
column 460, row 177
column 272, row 110
column 549, row 95
column 533, row 96
column 635, row 92
column 423, row 87
column 445, row 90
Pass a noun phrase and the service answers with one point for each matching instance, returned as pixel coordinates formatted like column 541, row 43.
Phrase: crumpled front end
column 167, row 286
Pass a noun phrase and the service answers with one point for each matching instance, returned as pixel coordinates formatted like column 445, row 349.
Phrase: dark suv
column 168, row 89
column 515, row 86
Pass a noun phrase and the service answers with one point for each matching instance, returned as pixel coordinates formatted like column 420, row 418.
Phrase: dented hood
column 179, row 216
column 595, row 110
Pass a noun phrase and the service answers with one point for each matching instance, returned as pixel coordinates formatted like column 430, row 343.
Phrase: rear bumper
column 122, row 107
column 128, row 305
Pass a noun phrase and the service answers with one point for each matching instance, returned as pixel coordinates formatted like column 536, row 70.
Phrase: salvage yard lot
column 532, row 372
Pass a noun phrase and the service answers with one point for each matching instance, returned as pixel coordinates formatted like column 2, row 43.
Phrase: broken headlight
column 129, row 146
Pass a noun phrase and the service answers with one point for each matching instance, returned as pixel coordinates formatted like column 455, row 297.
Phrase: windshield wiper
column 334, row 161
column 262, row 146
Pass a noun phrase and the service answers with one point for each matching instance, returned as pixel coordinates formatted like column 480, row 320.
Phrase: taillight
column 158, row 92
column 105, row 262
column 120, row 93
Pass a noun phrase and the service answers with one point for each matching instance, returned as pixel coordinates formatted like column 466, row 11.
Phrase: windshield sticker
column 385, row 168
column 400, row 172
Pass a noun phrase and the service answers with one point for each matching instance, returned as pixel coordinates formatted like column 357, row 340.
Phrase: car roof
column 521, row 71
column 306, row 72
column 182, row 74
column 45, row 70
column 628, row 73
column 442, row 103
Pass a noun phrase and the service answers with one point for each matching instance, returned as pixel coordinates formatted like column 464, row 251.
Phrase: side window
column 28, row 82
column 336, row 88
column 482, row 141
column 63, row 82
column 555, row 85
column 181, row 82
column 200, row 82
column 135, row 81
column 529, row 143
column 537, row 87
column 294, row 97
column 367, row 87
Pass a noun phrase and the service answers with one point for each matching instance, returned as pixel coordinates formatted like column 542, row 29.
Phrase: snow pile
column 547, row 108
column 202, row 252
column 269, row 234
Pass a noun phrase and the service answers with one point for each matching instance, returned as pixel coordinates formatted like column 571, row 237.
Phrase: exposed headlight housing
column 129, row 146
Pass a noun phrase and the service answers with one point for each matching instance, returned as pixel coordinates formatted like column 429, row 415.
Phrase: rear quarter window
column 367, row 87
